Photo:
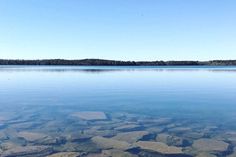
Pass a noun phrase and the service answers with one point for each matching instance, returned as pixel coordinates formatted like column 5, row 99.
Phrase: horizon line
column 123, row 60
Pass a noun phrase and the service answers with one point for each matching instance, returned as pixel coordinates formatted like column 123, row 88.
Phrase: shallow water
column 50, row 109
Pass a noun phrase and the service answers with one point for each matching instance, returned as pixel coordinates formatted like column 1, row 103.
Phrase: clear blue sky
column 118, row 29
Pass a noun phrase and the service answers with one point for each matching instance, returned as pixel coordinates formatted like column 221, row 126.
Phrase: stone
column 2, row 118
column 6, row 117
column 108, row 143
column 230, row 136
column 131, row 137
column 78, row 136
column 3, row 136
column 205, row 155
column 210, row 128
column 51, row 141
column 159, row 147
column 160, row 121
column 77, row 147
column 171, row 140
column 117, row 153
column 31, row 136
column 193, row 135
column 179, row 129
column 8, row 145
column 233, row 154
column 104, row 133
column 89, row 115
column 171, row 125
column 66, row 154
column 209, row 145
column 25, row 125
column 10, row 133
column 97, row 155
column 155, row 129
column 36, row 151
column 2, row 125
column 128, row 127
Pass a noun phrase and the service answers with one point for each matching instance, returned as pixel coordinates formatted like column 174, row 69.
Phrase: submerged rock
column 111, row 153
column 128, row 127
column 159, row 147
column 171, row 140
column 104, row 133
column 205, row 155
column 231, row 136
column 90, row 115
column 180, row 129
column 210, row 128
column 117, row 153
column 2, row 125
column 209, row 145
column 52, row 141
column 36, row 151
column 160, row 121
column 3, row 136
column 6, row 116
column 31, row 136
column 78, row 136
column 193, row 135
column 25, row 125
column 95, row 155
column 155, row 129
column 108, row 143
column 233, row 154
column 66, row 154
column 2, row 118
column 10, row 133
column 78, row 147
column 131, row 137
column 8, row 145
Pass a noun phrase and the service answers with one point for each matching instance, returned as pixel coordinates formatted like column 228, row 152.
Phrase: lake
column 117, row 111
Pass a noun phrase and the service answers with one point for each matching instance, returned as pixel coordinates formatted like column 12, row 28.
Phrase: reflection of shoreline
column 114, row 69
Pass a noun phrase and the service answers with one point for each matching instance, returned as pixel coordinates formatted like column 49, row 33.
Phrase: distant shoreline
column 103, row 62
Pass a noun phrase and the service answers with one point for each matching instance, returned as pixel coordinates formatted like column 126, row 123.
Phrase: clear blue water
column 202, row 95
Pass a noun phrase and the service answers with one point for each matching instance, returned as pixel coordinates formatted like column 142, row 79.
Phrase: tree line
column 102, row 62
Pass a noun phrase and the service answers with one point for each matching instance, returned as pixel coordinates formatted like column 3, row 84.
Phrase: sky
column 118, row 29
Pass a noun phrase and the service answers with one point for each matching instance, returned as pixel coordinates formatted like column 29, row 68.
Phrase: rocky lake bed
column 40, row 131
column 113, row 111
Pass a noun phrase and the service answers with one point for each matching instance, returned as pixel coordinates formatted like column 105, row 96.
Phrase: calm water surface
column 93, row 111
